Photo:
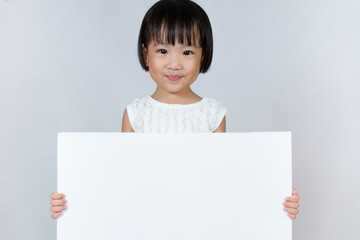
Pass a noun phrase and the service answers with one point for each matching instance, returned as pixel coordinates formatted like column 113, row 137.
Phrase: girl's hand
column 58, row 204
column 292, row 204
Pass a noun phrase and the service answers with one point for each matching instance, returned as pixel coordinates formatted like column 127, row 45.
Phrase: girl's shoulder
column 213, row 103
column 139, row 102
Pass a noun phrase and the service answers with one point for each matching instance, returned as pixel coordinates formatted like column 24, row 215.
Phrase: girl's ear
column 145, row 54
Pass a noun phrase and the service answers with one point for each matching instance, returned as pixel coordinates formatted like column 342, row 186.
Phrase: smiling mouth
column 173, row 77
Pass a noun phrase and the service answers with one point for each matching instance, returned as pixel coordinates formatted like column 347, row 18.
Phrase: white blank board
column 183, row 186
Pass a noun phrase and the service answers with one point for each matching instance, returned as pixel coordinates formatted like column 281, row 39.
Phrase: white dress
column 149, row 115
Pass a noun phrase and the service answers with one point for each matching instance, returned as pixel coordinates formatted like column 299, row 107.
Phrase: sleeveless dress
column 148, row 115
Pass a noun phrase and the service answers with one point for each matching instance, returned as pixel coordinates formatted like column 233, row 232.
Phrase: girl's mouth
column 174, row 77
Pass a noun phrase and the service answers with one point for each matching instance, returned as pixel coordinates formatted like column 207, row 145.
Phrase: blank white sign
column 193, row 186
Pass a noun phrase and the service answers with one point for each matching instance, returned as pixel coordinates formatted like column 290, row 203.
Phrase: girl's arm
column 126, row 126
column 222, row 126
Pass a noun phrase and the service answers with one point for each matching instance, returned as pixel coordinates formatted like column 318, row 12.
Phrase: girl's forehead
column 171, row 34
column 173, row 39
column 163, row 42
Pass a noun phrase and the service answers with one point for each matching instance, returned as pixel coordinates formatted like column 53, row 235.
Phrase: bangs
column 172, row 30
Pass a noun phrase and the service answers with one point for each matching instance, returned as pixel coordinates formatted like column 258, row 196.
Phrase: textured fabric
column 149, row 115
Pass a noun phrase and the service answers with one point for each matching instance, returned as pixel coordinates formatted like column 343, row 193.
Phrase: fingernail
column 65, row 206
column 64, row 196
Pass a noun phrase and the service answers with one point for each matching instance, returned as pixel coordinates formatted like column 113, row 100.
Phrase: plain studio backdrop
column 71, row 66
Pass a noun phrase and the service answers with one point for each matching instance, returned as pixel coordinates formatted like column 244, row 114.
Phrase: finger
column 58, row 202
column 294, row 198
column 58, row 208
column 56, row 215
column 56, row 195
column 291, row 204
column 293, row 217
column 294, row 192
column 291, row 210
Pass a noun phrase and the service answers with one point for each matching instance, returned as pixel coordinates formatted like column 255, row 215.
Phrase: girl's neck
column 187, row 97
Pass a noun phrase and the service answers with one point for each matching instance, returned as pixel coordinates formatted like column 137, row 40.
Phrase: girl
column 175, row 44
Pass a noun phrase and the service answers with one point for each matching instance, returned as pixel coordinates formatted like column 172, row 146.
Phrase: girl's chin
column 175, row 90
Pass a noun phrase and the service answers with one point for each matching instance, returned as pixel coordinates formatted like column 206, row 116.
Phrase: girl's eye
column 162, row 51
column 188, row 52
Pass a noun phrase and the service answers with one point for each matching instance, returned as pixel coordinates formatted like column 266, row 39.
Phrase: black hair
column 181, row 20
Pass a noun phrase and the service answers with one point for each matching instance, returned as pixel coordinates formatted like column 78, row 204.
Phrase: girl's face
column 173, row 68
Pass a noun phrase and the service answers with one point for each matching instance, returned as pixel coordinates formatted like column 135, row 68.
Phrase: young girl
column 175, row 45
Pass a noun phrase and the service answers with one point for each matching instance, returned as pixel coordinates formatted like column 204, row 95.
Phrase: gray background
column 71, row 65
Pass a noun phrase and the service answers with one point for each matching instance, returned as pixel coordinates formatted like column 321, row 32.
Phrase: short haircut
column 181, row 20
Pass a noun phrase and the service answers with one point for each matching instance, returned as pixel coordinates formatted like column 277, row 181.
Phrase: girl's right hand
column 58, row 204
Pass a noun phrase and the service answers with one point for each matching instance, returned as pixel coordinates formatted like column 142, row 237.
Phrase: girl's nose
column 174, row 63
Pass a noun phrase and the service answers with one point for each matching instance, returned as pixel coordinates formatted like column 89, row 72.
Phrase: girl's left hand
column 292, row 204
